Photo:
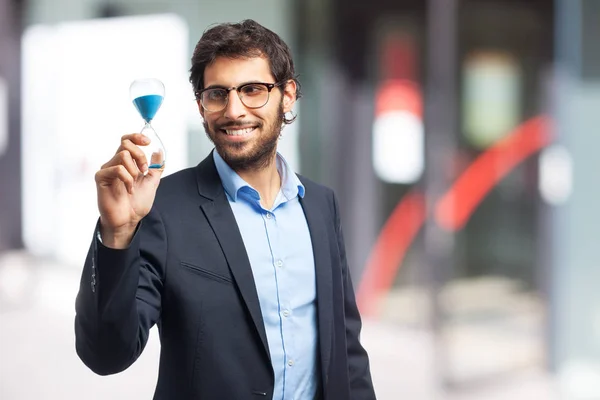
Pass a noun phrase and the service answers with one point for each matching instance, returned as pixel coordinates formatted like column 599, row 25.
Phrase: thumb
column 157, row 165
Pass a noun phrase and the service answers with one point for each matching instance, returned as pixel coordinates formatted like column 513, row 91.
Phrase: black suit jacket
column 187, row 271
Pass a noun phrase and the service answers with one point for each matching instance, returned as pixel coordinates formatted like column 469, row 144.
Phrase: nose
column 235, row 108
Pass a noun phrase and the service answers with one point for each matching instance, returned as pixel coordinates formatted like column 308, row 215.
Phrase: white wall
column 76, row 107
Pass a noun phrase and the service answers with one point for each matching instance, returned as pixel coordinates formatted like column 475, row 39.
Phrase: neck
column 265, row 180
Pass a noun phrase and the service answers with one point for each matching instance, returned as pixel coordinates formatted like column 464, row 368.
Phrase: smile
column 238, row 132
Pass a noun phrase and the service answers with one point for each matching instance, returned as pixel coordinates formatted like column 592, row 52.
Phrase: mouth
column 238, row 131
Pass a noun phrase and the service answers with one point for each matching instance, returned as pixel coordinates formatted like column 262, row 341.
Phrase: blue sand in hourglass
column 148, row 105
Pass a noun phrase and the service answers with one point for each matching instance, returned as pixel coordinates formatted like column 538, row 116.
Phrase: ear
column 289, row 95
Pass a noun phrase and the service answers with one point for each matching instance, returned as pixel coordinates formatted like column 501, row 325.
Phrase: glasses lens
column 254, row 95
column 214, row 99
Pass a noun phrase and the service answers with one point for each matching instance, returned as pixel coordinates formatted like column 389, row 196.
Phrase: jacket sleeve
column 119, row 298
column 361, row 385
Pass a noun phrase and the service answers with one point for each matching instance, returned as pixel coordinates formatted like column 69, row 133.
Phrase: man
column 239, row 261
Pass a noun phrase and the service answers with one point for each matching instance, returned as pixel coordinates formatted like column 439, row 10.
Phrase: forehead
column 228, row 72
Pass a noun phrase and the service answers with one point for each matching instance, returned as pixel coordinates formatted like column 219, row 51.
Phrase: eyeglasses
column 252, row 95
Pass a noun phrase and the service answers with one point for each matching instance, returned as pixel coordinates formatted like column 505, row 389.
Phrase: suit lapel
column 217, row 210
column 323, row 271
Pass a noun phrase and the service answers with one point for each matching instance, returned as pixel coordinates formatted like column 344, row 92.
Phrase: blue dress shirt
column 279, row 248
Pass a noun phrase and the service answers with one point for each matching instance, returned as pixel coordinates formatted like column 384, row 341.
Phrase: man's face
column 245, row 138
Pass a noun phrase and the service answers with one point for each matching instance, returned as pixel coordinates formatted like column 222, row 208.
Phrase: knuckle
column 124, row 155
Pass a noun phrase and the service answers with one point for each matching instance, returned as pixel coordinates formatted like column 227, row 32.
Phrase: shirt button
column 269, row 215
column 279, row 263
column 291, row 362
column 286, row 313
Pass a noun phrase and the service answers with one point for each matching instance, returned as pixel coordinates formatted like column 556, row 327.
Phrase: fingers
column 127, row 164
column 130, row 143
column 125, row 159
column 157, row 160
column 109, row 173
column 136, row 138
column 157, row 165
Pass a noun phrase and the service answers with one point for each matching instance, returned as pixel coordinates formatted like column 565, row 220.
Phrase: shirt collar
column 233, row 183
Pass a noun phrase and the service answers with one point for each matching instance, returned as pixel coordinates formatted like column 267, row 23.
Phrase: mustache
column 237, row 124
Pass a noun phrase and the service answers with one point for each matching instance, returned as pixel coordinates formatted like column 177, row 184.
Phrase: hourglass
column 147, row 96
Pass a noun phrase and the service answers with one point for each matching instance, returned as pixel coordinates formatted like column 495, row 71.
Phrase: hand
column 126, row 190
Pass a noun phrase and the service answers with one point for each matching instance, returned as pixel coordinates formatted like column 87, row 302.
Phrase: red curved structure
column 452, row 211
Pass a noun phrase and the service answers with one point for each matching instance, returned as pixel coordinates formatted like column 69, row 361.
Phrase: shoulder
column 321, row 193
column 176, row 186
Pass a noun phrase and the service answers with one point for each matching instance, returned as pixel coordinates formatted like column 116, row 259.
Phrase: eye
column 215, row 94
column 253, row 89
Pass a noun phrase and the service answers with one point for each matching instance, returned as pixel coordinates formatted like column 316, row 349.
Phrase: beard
column 255, row 154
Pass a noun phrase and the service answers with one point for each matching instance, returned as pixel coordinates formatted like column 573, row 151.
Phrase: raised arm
column 119, row 298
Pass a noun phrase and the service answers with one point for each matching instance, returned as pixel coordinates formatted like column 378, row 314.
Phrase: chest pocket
column 218, row 276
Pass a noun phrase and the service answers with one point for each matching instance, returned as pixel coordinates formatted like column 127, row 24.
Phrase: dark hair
column 243, row 40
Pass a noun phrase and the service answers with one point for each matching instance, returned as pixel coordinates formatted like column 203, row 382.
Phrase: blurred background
column 459, row 135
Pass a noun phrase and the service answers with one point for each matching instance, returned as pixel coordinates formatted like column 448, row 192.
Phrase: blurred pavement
column 38, row 359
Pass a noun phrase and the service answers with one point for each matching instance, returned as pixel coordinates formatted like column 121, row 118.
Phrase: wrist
column 116, row 238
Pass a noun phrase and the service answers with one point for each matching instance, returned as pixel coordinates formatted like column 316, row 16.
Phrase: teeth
column 238, row 132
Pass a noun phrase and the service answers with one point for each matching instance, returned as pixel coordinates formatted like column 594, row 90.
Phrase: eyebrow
column 227, row 87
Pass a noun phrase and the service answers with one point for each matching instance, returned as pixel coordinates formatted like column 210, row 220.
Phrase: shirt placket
column 283, row 306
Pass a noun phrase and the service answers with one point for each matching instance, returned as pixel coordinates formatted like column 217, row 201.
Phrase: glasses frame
column 238, row 89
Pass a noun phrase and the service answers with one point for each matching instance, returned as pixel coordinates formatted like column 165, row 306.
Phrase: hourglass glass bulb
column 147, row 96
column 155, row 151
